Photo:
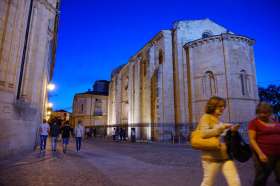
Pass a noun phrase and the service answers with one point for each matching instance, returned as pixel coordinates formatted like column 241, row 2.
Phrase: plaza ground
column 103, row 162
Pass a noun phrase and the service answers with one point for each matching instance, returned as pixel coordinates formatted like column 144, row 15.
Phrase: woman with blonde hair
column 217, row 160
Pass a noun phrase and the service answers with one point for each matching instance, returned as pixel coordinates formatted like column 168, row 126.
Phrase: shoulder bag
column 199, row 143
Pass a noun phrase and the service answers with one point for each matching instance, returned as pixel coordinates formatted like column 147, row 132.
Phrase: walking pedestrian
column 121, row 134
column 214, row 161
column 44, row 131
column 55, row 130
column 65, row 130
column 264, row 137
column 104, row 132
column 114, row 134
column 87, row 132
column 94, row 132
column 124, row 134
column 79, row 134
column 117, row 134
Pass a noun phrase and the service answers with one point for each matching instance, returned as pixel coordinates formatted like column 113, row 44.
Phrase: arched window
column 160, row 57
column 209, row 82
column 244, row 83
column 206, row 34
column 126, row 83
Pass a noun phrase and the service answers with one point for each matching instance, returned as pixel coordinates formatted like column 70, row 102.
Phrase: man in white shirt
column 79, row 133
column 44, row 131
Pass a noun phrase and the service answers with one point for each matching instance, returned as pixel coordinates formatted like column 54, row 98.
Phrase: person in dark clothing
column 88, row 132
column 104, row 132
column 124, row 134
column 94, row 132
column 55, row 130
column 121, row 134
column 118, row 137
column 65, row 130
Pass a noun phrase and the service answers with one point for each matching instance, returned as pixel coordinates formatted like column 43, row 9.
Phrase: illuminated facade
column 28, row 36
column 61, row 115
column 166, row 84
column 91, row 107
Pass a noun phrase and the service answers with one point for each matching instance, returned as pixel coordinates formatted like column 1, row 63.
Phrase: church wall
column 207, row 57
column 142, row 68
column 184, row 32
column 224, row 56
column 239, row 61
column 118, row 104
column 21, row 117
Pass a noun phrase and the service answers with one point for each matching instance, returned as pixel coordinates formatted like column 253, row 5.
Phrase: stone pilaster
column 167, row 70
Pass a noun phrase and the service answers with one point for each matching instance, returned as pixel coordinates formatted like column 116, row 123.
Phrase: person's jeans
column 211, row 169
column 65, row 142
column 54, row 140
column 43, row 142
column 78, row 143
column 263, row 170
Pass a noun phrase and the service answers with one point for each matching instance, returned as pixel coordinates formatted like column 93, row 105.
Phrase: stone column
column 137, row 96
column 168, row 88
column 131, row 95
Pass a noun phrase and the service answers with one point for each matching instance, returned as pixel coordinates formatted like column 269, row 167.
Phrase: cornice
column 225, row 36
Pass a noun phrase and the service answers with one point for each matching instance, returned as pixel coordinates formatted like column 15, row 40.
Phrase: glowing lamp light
column 50, row 105
column 51, row 86
column 49, row 113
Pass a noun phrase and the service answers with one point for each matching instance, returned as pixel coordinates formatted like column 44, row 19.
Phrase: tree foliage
column 271, row 95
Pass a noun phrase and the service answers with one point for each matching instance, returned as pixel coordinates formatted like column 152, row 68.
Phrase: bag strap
column 197, row 127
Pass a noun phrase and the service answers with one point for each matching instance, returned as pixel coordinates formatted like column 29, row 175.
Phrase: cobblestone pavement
column 110, row 163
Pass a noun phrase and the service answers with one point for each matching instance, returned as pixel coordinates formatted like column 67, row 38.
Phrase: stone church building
column 28, row 36
column 167, row 83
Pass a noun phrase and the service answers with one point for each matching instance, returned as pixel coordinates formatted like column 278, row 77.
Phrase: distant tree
column 271, row 95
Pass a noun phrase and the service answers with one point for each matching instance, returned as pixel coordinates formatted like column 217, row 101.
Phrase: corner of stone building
column 19, row 135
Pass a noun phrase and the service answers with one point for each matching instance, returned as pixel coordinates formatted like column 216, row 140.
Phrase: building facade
column 28, row 35
column 61, row 115
column 164, row 87
column 91, row 107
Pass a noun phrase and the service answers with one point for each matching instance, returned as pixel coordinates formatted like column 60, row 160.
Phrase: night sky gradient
column 96, row 36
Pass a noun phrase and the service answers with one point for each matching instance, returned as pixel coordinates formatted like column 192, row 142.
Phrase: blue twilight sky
column 95, row 36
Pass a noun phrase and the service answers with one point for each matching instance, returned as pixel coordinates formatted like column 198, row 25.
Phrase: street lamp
column 51, row 86
column 50, row 105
